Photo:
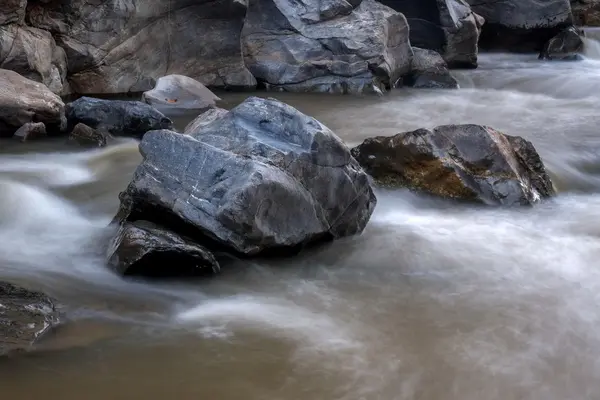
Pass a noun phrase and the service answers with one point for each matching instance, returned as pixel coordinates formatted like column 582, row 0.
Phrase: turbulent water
column 433, row 301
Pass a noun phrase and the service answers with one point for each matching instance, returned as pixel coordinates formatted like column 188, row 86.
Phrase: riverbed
column 433, row 301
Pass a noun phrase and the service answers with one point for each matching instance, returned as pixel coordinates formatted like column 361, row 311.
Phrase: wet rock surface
column 465, row 162
column 429, row 71
column 117, row 117
column 566, row 46
column 88, row 137
column 142, row 248
column 25, row 317
column 261, row 178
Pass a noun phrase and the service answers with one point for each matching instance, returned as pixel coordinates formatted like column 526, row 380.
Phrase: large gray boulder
column 117, row 117
column 325, row 46
column 464, row 162
column 25, row 317
column 429, row 71
column 204, row 119
column 23, row 100
column 33, row 53
column 521, row 25
column 448, row 27
column 178, row 93
column 117, row 46
column 142, row 248
column 262, row 178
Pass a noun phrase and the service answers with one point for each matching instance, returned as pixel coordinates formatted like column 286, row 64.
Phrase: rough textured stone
column 204, row 119
column 466, row 162
column 262, row 178
column 567, row 45
column 446, row 26
column 33, row 53
column 118, row 46
column 23, row 100
column 12, row 11
column 430, row 71
column 325, row 46
column 119, row 118
column 145, row 249
column 521, row 25
column 180, row 93
column 586, row 12
column 25, row 317
column 89, row 137
column 31, row 130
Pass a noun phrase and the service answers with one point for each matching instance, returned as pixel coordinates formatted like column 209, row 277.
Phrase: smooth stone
column 180, row 93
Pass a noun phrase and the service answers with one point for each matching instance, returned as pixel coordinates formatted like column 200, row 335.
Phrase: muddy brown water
column 433, row 301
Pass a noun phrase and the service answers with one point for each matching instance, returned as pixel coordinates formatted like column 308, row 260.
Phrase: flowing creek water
column 433, row 301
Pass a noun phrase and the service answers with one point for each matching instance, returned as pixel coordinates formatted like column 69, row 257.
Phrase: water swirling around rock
column 432, row 301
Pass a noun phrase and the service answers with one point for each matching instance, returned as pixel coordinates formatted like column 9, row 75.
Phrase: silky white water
column 433, row 301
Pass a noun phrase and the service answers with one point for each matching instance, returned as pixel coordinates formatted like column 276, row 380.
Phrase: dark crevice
column 168, row 264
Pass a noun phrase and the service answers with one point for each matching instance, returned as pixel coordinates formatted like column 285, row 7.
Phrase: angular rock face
column 118, row 46
column 119, row 118
column 145, row 249
column 521, row 25
column 180, row 93
column 23, row 101
column 325, row 46
column 33, row 53
column 204, row 119
column 567, row 45
column 466, row 162
column 31, row 130
column 261, row 178
column 25, row 317
column 448, row 27
column 430, row 71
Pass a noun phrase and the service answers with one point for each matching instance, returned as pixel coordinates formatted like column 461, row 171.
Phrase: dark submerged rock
column 429, row 71
column 261, row 178
column 566, row 46
column 31, row 130
column 466, row 162
column 25, row 317
column 88, row 137
column 23, row 101
column 145, row 249
column 117, row 117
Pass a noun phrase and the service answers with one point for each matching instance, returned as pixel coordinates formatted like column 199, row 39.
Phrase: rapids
column 433, row 301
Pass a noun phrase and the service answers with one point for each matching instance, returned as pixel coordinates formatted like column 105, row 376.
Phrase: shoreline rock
column 24, row 101
column 429, row 71
column 464, row 162
column 178, row 93
column 329, row 47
